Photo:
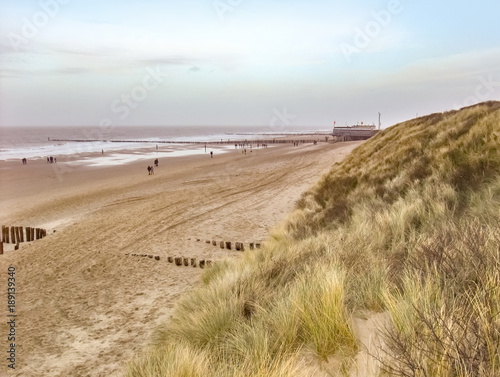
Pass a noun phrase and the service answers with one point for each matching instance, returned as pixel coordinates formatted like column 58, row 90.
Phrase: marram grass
column 407, row 224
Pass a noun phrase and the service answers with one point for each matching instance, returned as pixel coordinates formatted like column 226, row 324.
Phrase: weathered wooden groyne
column 222, row 142
column 17, row 234
column 179, row 261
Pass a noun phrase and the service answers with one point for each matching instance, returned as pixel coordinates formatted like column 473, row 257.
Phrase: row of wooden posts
column 239, row 246
column 156, row 257
column 18, row 234
column 185, row 261
column 179, row 261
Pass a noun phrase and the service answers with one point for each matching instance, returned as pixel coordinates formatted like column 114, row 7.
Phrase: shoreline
column 277, row 139
column 30, row 142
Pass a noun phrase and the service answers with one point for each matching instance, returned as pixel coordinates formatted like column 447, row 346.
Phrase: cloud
column 452, row 68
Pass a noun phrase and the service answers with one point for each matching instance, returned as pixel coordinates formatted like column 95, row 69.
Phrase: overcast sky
column 244, row 62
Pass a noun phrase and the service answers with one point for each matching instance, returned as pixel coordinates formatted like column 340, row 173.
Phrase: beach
column 85, row 304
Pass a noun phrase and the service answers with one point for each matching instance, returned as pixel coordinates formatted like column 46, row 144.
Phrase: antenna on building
column 379, row 121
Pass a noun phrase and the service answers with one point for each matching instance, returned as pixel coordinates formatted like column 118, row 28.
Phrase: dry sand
column 84, row 306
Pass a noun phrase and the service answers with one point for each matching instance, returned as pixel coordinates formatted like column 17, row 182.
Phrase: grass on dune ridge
column 407, row 224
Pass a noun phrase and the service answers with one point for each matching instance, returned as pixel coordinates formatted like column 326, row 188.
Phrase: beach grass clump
column 319, row 298
column 446, row 316
column 172, row 360
column 407, row 224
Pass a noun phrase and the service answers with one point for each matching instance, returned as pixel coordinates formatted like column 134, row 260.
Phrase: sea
column 41, row 141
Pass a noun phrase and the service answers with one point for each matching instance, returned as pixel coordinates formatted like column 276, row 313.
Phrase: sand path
column 85, row 307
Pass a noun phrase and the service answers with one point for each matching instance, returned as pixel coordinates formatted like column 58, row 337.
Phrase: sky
column 244, row 62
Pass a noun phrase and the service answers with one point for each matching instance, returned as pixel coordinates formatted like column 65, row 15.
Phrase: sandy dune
column 85, row 307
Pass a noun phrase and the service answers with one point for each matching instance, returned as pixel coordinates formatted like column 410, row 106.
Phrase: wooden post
column 257, row 245
column 1, row 248
column 202, row 263
column 193, row 262
column 228, row 245
column 242, row 246
column 178, row 261
column 12, row 234
column 17, row 246
column 252, row 246
column 32, row 234
column 22, row 234
column 186, row 261
column 170, row 259
column 222, row 244
column 209, row 263
column 157, row 257
column 214, row 242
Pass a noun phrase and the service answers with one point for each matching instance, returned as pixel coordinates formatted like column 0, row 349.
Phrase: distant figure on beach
column 48, row 160
column 156, row 162
column 51, row 159
column 25, row 161
column 55, row 160
column 149, row 170
column 152, row 170
column 211, row 154
column 102, row 152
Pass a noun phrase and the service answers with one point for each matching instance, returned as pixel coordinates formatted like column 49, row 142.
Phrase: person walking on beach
column 211, row 154
column 156, row 162
column 149, row 170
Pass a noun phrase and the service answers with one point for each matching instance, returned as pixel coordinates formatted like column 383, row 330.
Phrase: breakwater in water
column 225, row 142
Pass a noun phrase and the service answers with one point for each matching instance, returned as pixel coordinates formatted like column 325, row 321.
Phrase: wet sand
column 84, row 306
